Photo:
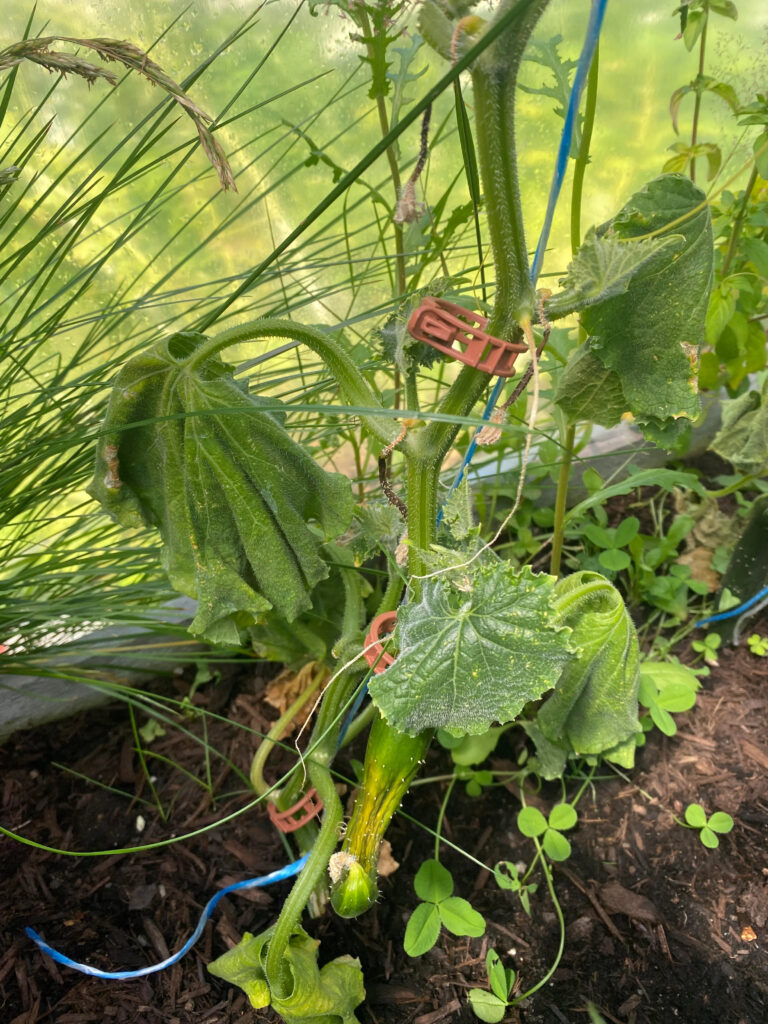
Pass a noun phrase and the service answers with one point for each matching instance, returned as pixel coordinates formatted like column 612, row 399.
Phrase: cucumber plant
column 254, row 529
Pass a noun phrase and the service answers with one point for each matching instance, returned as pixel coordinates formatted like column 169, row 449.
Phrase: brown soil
column 659, row 929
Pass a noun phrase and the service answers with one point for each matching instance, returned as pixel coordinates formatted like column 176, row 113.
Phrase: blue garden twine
column 731, row 613
column 250, row 883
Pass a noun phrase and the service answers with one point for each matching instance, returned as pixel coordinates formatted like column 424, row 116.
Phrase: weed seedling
column 533, row 824
column 434, row 886
column 491, row 1006
column 709, row 828
column 758, row 645
column 708, row 648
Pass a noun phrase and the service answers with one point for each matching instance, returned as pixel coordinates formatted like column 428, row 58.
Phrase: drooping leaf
column 187, row 450
column 743, row 436
column 586, row 390
column 326, row 995
column 594, row 704
column 472, row 657
column 605, row 266
column 702, row 83
column 649, row 335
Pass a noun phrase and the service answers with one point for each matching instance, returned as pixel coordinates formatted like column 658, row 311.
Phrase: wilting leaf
column 187, row 450
column 743, row 436
column 326, row 995
column 586, row 390
column 472, row 657
column 594, row 704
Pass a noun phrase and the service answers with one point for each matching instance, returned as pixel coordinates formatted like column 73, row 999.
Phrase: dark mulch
column 658, row 928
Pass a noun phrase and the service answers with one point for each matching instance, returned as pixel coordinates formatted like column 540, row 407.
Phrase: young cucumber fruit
column 391, row 761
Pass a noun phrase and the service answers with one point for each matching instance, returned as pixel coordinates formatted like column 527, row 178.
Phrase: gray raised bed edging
column 29, row 701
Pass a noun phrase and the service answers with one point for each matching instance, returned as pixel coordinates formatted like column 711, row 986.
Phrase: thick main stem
column 277, row 970
column 494, row 77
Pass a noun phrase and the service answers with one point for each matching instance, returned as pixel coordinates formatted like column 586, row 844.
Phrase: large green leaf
column 471, row 657
column 593, row 708
column 185, row 449
column 649, row 326
column 743, row 436
column 326, row 995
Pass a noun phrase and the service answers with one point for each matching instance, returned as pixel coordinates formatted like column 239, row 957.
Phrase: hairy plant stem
column 564, row 475
column 275, row 734
column 351, row 383
column 738, row 224
column 697, row 99
column 510, row 19
column 494, row 77
column 277, row 970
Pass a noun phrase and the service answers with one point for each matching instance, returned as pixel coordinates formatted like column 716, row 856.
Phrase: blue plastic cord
column 250, row 883
column 733, row 612
column 587, row 52
column 594, row 26
column 489, row 407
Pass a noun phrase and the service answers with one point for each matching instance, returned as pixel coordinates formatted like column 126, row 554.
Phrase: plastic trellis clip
column 457, row 332
column 378, row 659
column 310, row 804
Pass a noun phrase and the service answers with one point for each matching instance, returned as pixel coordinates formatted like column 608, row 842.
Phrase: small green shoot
column 709, row 828
column 758, row 645
column 507, row 876
column 666, row 687
column 491, row 1006
column 533, row 824
column 708, row 648
column 434, row 886
column 611, row 541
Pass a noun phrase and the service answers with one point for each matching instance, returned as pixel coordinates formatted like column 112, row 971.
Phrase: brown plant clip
column 378, row 659
column 310, row 804
column 456, row 332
